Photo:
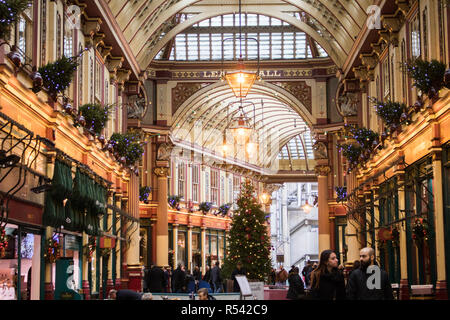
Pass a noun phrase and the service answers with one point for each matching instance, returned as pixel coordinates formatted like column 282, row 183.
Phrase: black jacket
column 156, row 280
column 296, row 287
column 197, row 275
column 207, row 276
column 216, row 275
column 331, row 286
column 126, row 294
column 178, row 280
column 235, row 273
column 357, row 287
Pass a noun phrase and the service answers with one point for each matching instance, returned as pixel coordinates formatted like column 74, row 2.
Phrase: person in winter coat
column 156, row 281
column 238, row 271
column 216, row 278
column 327, row 282
column 360, row 287
column 207, row 276
column 296, row 287
column 281, row 277
column 306, row 273
column 178, row 279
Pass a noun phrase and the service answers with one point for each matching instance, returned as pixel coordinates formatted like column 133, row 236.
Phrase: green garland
column 205, row 207
column 10, row 11
column 96, row 116
column 428, row 75
column 58, row 75
column 392, row 113
column 352, row 153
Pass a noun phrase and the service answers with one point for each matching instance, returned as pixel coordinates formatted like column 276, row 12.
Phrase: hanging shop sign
column 107, row 242
column 384, row 234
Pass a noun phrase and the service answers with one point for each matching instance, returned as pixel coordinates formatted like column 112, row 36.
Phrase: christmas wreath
column 90, row 248
column 52, row 249
column 420, row 230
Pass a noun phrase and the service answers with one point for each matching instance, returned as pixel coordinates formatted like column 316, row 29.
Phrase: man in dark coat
column 360, row 287
column 124, row 294
column 306, row 271
column 207, row 276
column 296, row 287
column 197, row 274
column 216, row 278
column 178, row 279
column 156, row 281
column 238, row 271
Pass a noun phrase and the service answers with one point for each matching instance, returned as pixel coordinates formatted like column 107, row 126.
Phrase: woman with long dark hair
column 327, row 282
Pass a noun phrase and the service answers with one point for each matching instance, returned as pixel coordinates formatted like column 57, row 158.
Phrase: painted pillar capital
column 161, row 172
column 322, row 170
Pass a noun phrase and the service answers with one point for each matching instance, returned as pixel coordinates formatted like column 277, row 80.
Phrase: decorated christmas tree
column 248, row 241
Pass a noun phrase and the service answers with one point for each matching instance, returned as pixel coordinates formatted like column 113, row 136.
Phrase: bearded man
column 369, row 282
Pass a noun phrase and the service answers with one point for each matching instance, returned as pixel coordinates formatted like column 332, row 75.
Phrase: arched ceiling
column 277, row 116
column 334, row 24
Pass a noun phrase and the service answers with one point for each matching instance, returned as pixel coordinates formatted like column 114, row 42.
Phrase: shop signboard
column 64, row 283
column 71, row 242
column 107, row 243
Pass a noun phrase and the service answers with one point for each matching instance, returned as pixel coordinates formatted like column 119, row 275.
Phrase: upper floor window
column 23, row 35
column 215, row 187
column 425, row 33
column 415, row 37
column 195, row 182
column 181, row 179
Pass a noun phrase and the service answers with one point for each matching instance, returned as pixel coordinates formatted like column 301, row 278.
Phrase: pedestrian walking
column 178, row 279
column 296, row 287
column 327, row 282
column 238, row 271
column 307, row 269
column 281, row 277
column 360, row 287
column 216, row 278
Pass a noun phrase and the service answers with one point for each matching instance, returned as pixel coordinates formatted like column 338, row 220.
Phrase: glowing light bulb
column 240, row 78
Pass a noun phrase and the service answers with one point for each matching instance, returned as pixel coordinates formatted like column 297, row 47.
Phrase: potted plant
column 52, row 249
column 428, row 76
column 10, row 11
column 205, row 207
column 58, row 75
column 174, row 202
column 352, row 153
column 95, row 116
column 393, row 114
column 341, row 193
column 144, row 193
column 126, row 148
column 224, row 209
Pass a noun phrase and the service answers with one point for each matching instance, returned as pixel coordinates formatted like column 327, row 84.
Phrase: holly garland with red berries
column 248, row 241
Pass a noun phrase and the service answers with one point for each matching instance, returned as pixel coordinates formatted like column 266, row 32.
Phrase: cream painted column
column 351, row 231
column 49, row 292
column 109, row 222
column 203, row 241
column 368, row 235
column 441, row 283
column 162, row 226
column 117, row 204
column 404, row 288
column 189, row 242
column 322, row 172
column 175, row 245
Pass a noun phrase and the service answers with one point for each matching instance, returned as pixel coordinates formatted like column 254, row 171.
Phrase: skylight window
column 204, row 40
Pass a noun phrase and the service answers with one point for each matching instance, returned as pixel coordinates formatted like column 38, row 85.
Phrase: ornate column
column 162, row 232
column 134, row 268
column 441, row 282
column 351, row 231
column 189, row 243
column 49, row 291
column 109, row 281
column 117, row 204
column 404, row 287
column 85, row 270
column 175, row 244
column 203, row 240
column 322, row 172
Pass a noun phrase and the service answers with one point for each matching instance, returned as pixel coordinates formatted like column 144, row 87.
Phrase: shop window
column 221, row 246
column 386, row 80
column 222, row 190
column 98, row 80
column 420, row 210
column 236, row 190
column 80, row 78
column 404, row 74
column 181, row 247
column 196, row 250
column 206, row 186
column 195, row 182
column 58, row 36
column 22, row 257
column 442, row 26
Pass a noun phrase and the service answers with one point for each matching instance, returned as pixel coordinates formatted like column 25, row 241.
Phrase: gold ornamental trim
column 161, row 172
column 322, row 170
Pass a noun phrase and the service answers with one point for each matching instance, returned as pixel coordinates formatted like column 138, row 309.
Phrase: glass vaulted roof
column 298, row 147
column 277, row 40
